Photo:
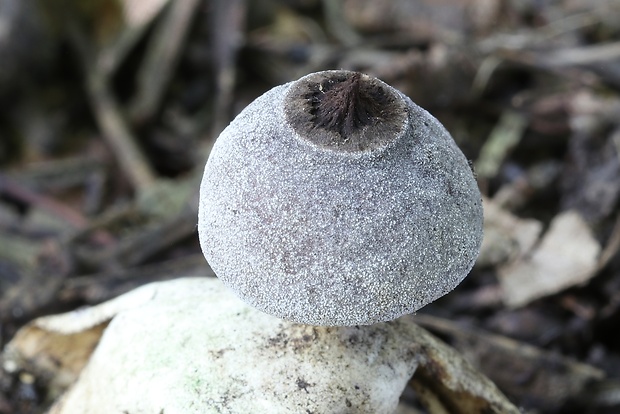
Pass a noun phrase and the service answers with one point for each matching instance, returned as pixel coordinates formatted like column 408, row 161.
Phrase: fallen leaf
column 567, row 256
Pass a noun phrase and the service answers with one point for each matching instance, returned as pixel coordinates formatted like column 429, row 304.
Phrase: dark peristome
column 345, row 111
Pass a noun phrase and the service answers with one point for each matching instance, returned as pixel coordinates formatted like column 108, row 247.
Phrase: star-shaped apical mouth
column 345, row 111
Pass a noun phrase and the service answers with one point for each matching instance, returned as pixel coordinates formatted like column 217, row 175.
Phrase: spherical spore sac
column 335, row 200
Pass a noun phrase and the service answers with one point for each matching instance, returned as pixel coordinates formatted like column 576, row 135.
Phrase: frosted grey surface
column 324, row 237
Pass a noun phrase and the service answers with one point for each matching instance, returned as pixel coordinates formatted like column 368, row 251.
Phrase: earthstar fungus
column 335, row 200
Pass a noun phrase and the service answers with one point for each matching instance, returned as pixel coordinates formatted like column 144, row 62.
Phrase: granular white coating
column 324, row 237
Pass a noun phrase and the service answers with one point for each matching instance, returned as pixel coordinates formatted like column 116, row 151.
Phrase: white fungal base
column 196, row 348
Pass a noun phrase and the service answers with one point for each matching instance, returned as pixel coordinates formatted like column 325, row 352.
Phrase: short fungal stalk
column 335, row 200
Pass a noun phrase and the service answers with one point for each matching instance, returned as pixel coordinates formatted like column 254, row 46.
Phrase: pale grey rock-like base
column 194, row 347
